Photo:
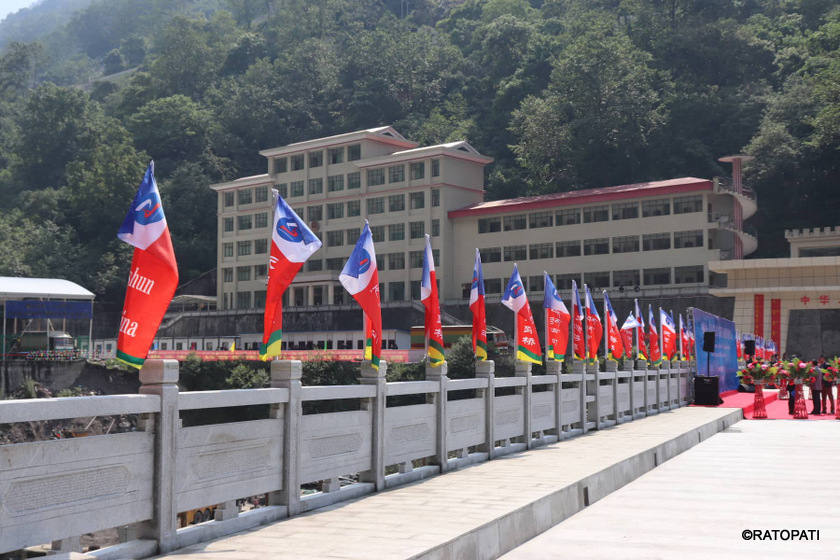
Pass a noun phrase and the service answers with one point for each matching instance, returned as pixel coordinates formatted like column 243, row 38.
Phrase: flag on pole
column 642, row 352
column 669, row 335
column 527, row 342
column 691, row 350
column 557, row 319
column 685, row 342
column 479, row 322
column 627, row 334
column 154, row 272
column 653, row 339
column 594, row 329
column 360, row 277
column 578, row 343
column 615, row 344
column 292, row 243
column 738, row 346
column 429, row 297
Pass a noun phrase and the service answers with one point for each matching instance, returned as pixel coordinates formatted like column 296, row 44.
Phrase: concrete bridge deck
column 756, row 476
column 485, row 510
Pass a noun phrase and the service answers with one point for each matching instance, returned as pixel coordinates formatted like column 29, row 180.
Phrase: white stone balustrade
column 53, row 491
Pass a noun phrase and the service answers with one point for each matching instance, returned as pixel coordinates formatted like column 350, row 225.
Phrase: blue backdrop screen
column 723, row 362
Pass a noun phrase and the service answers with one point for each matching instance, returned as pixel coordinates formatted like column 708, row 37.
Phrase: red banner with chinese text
column 758, row 323
column 776, row 323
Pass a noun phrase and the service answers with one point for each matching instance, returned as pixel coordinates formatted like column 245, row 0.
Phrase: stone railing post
column 628, row 367
column 438, row 375
column 642, row 365
column 486, row 370
column 375, row 377
column 593, row 389
column 160, row 377
column 286, row 374
column 579, row 368
column 555, row 368
column 523, row 369
column 612, row 367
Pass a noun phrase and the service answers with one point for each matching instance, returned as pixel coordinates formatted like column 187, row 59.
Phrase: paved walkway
column 757, row 475
column 481, row 511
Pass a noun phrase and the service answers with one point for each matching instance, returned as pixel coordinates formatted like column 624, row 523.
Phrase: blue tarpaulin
column 48, row 310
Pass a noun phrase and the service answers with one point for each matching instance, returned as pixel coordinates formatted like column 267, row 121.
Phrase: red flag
column 640, row 333
column 479, row 322
column 429, row 297
column 527, row 342
column 578, row 344
column 360, row 277
column 594, row 329
column 154, row 273
column 653, row 338
column 557, row 318
column 615, row 343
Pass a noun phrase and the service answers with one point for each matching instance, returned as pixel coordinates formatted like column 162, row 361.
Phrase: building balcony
column 747, row 198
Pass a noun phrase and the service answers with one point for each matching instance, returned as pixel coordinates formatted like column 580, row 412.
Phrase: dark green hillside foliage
column 563, row 94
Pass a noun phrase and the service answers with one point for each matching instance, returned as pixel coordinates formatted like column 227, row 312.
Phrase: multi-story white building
column 660, row 234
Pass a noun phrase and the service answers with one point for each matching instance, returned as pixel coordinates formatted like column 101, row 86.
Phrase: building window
column 491, row 255
column 243, row 273
column 227, row 274
column 354, row 152
column 657, row 276
column 335, row 183
column 417, row 229
column 541, row 251
column 436, row 260
column 435, row 228
column 396, row 232
column 260, row 246
column 243, row 248
column 625, row 211
column 417, row 200
column 297, row 162
column 243, row 222
column 280, row 165
column 377, row 233
column 335, row 238
column 315, row 213
column 626, row 278
column 229, row 199
column 376, row 177
column 261, row 194
column 243, row 300
column 335, row 264
column 688, row 274
column 415, row 259
column 336, row 155
column 656, row 241
column 418, row 170
column 600, row 246
column 353, row 235
column 489, row 225
column 415, row 289
column 227, row 249
column 513, row 223
column 435, row 168
column 493, row 285
column 686, row 239
column 244, row 196
column 396, row 261
column 597, row 279
column 296, row 188
column 540, row 219
column 261, row 270
column 354, row 180
column 380, row 265
column 564, row 281
column 435, row 197
column 316, row 186
column 396, row 173
column 335, row 210
column 396, row 291
column 228, row 225
column 568, row 249
column 376, row 205
column 261, row 220
column 396, row 202
column 688, row 204
column 316, row 159
column 259, row 298
column 536, row 283
column 625, row 244
column 568, row 217
column 658, row 207
column 596, row 214
column 516, row 253
column 283, row 189
column 354, row 208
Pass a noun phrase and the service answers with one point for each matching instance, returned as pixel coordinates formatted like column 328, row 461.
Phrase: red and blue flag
column 479, row 322
column 360, row 277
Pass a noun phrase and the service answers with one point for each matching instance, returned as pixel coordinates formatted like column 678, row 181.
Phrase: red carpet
column 776, row 409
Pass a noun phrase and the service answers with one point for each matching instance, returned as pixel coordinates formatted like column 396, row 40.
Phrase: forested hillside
column 564, row 94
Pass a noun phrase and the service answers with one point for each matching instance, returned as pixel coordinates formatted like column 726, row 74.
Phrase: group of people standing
column 821, row 389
